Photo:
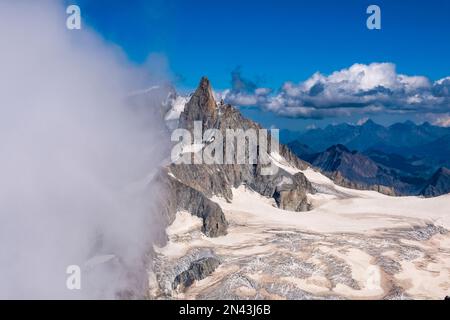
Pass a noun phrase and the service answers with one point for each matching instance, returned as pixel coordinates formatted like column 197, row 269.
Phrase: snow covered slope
column 352, row 245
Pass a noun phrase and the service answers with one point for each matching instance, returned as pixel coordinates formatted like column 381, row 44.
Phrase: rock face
column 291, row 194
column 198, row 270
column 190, row 186
column 438, row 185
column 201, row 107
column 357, row 171
column 178, row 196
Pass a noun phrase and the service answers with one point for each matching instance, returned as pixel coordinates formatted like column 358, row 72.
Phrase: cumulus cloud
column 360, row 89
column 73, row 152
column 244, row 92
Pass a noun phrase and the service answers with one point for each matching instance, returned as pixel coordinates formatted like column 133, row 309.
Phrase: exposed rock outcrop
column 438, row 185
column 174, row 196
column 291, row 195
column 198, row 270
column 201, row 107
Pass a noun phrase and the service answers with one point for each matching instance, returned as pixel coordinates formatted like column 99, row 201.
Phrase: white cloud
column 70, row 150
column 360, row 89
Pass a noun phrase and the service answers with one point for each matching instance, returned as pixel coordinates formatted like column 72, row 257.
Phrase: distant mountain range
column 402, row 159
column 356, row 170
column 399, row 137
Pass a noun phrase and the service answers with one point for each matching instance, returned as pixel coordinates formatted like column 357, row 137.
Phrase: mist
column 74, row 155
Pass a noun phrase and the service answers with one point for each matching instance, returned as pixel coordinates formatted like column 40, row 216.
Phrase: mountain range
column 234, row 233
column 402, row 158
column 429, row 143
column 191, row 187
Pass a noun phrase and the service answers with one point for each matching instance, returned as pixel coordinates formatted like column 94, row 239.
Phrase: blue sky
column 276, row 41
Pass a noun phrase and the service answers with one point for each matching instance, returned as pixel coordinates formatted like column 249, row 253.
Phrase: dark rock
column 198, row 270
column 292, row 196
column 177, row 196
column 201, row 107
column 438, row 185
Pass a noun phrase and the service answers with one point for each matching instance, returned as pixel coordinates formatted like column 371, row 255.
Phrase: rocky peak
column 189, row 187
column 205, row 95
column 201, row 107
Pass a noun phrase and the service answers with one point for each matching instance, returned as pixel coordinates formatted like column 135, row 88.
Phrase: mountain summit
column 201, row 107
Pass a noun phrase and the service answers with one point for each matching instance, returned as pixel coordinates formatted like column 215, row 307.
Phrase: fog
column 72, row 155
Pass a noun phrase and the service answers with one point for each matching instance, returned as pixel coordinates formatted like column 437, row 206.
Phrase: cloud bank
column 364, row 89
column 73, row 152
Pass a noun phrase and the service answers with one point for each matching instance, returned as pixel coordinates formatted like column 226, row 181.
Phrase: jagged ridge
column 191, row 185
